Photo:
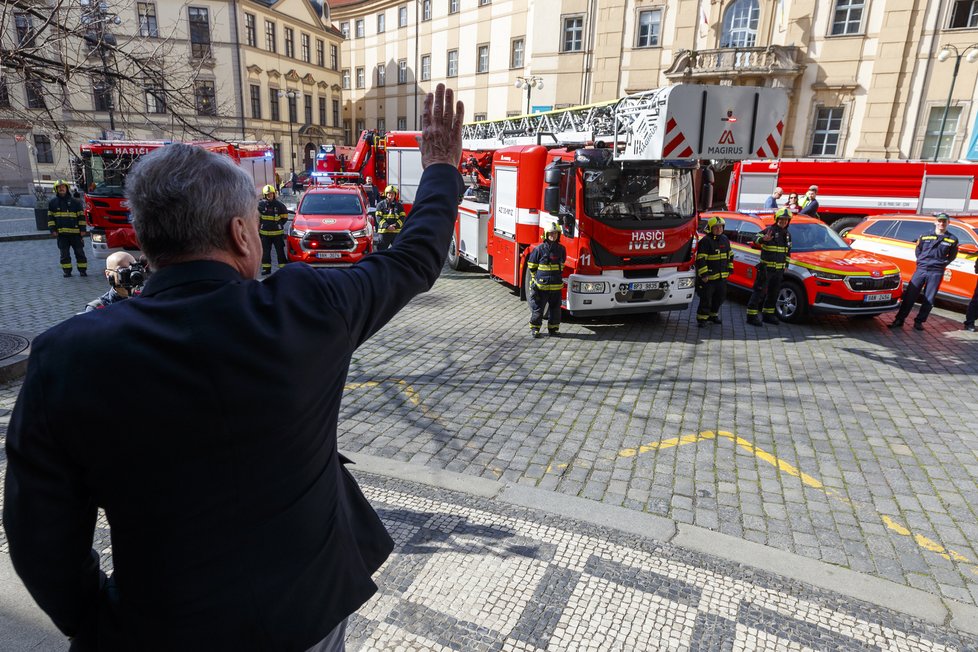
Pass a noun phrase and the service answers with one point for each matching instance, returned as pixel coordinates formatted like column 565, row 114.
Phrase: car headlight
column 827, row 276
column 297, row 233
column 685, row 283
column 589, row 287
column 98, row 237
column 362, row 233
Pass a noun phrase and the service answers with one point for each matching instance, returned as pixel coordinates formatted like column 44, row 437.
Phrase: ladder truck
column 620, row 178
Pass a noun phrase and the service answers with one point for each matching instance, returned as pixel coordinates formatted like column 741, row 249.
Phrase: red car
column 331, row 228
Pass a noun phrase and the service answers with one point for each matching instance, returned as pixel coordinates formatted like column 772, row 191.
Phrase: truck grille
column 332, row 241
column 869, row 284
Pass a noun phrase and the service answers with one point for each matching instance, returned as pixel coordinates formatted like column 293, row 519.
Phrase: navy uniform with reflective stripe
column 273, row 214
column 934, row 253
column 714, row 263
column 390, row 220
column 546, row 266
column 770, row 269
column 66, row 219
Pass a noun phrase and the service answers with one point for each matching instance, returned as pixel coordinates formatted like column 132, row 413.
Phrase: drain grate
column 11, row 345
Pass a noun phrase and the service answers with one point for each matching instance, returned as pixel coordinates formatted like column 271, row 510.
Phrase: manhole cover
column 11, row 345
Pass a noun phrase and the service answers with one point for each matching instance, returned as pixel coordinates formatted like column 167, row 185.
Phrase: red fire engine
column 849, row 191
column 105, row 164
column 620, row 178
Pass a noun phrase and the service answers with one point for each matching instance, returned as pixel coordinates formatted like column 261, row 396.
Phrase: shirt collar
column 194, row 271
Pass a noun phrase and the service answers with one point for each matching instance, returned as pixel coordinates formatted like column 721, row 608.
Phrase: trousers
column 924, row 284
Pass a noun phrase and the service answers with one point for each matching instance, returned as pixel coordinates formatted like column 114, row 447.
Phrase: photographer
column 126, row 277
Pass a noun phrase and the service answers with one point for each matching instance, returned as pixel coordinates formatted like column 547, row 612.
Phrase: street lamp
column 291, row 95
column 945, row 54
column 529, row 83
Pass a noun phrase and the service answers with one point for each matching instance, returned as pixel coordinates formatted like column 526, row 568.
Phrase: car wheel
column 455, row 261
column 792, row 303
column 843, row 226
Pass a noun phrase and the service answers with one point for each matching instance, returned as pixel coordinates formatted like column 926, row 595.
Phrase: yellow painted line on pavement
column 785, row 467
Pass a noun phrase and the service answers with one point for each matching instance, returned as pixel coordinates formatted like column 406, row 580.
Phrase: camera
column 131, row 277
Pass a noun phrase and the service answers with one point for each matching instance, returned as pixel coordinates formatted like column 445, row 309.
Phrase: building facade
column 865, row 78
column 234, row 70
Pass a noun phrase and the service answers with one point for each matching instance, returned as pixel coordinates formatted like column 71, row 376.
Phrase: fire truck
column 849, row 191
column 104, row 165
column 390, row 159
column 622, row 179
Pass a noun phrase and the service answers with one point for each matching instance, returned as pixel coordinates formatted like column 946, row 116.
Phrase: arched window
column 740, row 24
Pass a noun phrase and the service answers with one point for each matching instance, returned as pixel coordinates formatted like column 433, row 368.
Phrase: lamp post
column 529, row 83
column 292, row 95
column 945, row 54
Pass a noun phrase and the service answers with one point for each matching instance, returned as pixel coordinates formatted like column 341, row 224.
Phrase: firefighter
column 714, row 263
column 66, row 220
column 935, row 251
column 274, row 215
column 775, row 245
column 390, row 217
column 546, row 266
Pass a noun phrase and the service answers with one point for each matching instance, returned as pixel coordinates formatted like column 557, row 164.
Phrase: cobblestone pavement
column 837, row 440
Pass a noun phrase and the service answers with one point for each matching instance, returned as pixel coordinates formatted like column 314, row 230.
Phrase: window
column 306, row 50
column 381, row 125
column 270, row 36
column 381, row 75
column 452, row 70
column 483, row 58
column 479, row 117
column 483, row 3
column 963, row 236
column 206, row 101
column 42, row 145
column 251, row 35
column 425, row 67
column 426, row 10
column 828, row 128
column 345, row 28
column 934, row 119
column 879, row 228
column 909, row 231
column 273, row 103
column 4, row 93
column 102, row 93
column 573, row 40
column 35, row 93
column 346, row 78
column 321, row 55
column 336, row 113
column 334, row 57
column 402, row 17
column 516, row 53
column 359, row 28
column 256, row 101
column 290, row 42
column 200, row 34
column 361, row 126
column 146, row 12
column 293, row 102
column 347, row 132
column 155, row 99
column 361, row 78
column 381, row 23
column 740, row 25
column 964, row 13
column 25, row 29
column 453, row 6
column 307, row 108
column 401, row 123
column 277, row 153
column 848, row 16
column 649, row 27
column 402, row 71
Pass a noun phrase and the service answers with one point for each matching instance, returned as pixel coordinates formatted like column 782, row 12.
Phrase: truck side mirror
column 551, row 176
column 551, row 199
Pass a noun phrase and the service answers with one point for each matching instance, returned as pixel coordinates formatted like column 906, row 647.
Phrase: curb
column 25, row 236
column 859, row 586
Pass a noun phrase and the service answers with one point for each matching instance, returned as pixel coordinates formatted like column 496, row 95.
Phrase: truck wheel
column 525, row 290
column 792, row 303
column 844, row 225
column 455, row 261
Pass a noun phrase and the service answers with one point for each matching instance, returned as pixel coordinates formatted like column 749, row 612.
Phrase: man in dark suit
column 232, row 527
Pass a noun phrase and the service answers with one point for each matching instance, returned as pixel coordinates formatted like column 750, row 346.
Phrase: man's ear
column 241, row 237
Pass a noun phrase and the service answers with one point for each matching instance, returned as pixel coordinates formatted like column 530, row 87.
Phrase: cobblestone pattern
column 883, row 420
column 468, row 575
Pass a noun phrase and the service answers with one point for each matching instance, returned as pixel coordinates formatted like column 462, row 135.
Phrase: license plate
column 875, row 298
column 328, row 254
column 642, row 287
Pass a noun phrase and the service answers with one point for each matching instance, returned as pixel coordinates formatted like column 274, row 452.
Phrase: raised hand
column 441, row 128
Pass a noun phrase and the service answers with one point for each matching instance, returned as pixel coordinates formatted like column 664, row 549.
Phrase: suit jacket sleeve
column 371, row 292
column 49, row 513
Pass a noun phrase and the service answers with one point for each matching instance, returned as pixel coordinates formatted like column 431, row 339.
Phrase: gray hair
column 183, row 198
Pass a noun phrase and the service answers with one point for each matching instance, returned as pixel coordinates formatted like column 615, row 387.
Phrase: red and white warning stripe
column 771, row 147
column 675, row 140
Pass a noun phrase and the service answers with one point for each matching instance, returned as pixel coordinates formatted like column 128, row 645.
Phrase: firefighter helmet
column 61, row 182
column 390, row 189
column 267, row 189
column 714, row 221
column 553, row 227
column 782, row 214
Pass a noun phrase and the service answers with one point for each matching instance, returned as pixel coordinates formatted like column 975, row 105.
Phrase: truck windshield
column 105, row 175
column 815, row 237
column 638, row 196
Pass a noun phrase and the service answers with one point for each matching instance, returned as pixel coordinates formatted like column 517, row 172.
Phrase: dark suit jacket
column 234, row 524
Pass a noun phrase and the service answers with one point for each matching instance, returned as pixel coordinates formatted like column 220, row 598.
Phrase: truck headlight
column 826, row 276
column 589, row 287
column 297, row 233
column 685, row 283
column 98, row 237
column 362, row 233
